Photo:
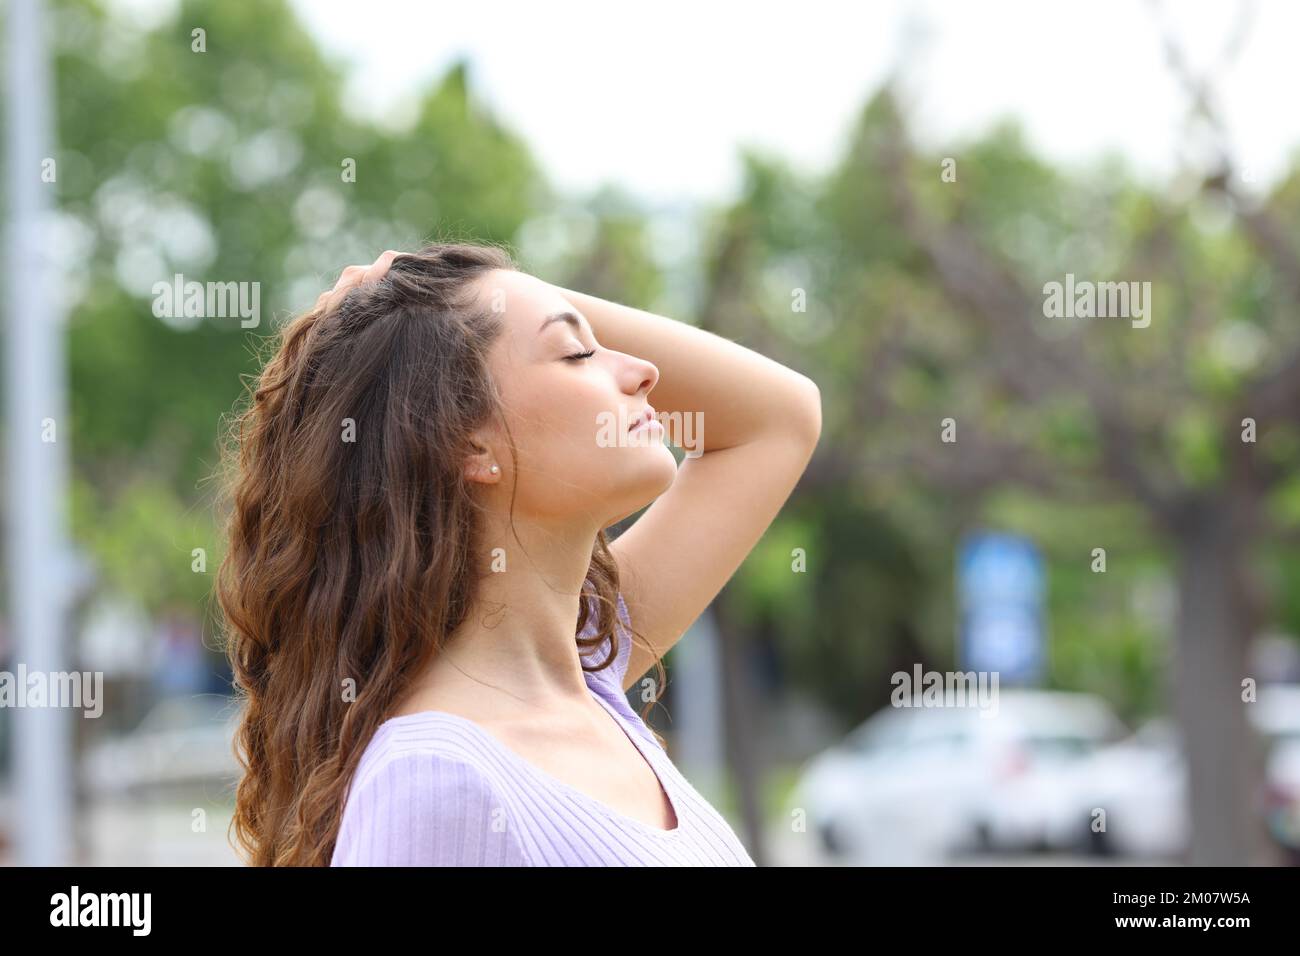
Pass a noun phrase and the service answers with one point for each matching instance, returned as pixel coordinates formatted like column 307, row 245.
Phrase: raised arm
column 760, row 424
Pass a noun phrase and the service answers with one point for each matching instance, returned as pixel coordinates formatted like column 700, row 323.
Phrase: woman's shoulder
column 425, row 800
column 427, row 737
column 423, row 795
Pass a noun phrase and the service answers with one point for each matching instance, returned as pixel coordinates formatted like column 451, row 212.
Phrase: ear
column 478, row 466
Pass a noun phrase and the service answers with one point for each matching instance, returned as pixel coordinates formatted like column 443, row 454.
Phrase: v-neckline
column 559, row 784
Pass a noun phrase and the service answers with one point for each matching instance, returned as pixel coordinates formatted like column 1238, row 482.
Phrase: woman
column 430, row 628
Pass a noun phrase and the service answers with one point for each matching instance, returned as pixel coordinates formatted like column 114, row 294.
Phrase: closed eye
column 580, row 356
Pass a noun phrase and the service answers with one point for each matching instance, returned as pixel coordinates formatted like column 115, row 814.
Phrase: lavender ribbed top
column 436, row 789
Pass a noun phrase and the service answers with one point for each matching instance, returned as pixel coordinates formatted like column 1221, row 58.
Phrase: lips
column 647, row 415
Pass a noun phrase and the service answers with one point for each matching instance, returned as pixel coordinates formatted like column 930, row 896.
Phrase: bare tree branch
column 1032, row 367
column 1275, row 393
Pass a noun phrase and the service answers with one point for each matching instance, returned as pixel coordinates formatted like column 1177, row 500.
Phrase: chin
column 648, row 483
column 658, row 474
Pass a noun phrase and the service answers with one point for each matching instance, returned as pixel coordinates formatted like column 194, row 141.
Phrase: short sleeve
column 426, row 809
column 608, row 682
column 624, row 641
column 616, row 672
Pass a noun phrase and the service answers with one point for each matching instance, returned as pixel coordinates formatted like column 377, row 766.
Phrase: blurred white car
column 1282, row 799
column 1276, row 715
column 1030, row 805
column 181, row 742
column 914, row 785
column 1141, row 784
column 1130, row 798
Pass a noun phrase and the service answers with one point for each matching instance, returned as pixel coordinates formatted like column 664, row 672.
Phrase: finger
column 348, row 280
column 349, row 277
column 353, row 276
column 380, row 266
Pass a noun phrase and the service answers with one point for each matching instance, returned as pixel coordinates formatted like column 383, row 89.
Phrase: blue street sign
column 1000, row 592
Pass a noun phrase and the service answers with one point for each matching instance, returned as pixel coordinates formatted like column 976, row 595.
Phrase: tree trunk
column 1214, row 627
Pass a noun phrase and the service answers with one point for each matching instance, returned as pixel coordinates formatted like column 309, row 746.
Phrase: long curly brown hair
column 350, row 530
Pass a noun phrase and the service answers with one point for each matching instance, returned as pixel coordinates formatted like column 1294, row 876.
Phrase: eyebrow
column 568, row 317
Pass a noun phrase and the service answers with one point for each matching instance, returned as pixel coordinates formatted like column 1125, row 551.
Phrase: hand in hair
column 352, row 277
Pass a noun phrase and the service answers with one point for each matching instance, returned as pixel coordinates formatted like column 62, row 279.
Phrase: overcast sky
column 658, row 101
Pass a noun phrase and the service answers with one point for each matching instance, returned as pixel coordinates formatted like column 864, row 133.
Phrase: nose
column 645, row 374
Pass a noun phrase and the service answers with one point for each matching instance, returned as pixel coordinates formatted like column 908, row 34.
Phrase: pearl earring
column 494, row 469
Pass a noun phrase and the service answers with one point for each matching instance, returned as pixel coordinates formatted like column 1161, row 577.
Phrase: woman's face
column 569, row 412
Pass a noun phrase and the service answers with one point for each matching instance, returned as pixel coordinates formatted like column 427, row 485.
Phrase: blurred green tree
column 1178, row 439
column 237, row 163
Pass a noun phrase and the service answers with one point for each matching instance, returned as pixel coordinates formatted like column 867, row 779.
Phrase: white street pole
column 36, row 467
